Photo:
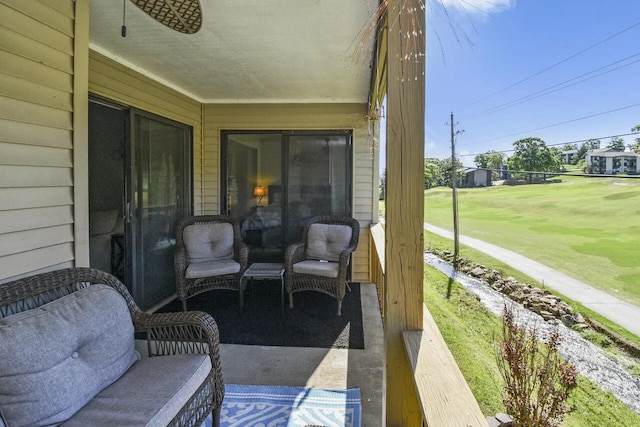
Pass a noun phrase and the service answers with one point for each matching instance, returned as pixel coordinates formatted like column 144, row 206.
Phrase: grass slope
column 434, row 241
column 469, row 330
column 586, row 228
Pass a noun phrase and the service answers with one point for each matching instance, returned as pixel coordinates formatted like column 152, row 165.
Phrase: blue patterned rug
column 267, row 406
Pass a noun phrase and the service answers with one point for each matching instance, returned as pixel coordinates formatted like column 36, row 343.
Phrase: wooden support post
column 404, row 265
column 81, row 133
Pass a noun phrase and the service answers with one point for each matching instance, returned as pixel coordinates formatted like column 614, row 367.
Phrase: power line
column 561, row 123
column 556, row 144
column 556, row 64
column 546, row 91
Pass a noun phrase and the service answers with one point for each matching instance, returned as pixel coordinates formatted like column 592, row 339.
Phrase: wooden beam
column 81, row 133
column 404, row 263
column 445, row 397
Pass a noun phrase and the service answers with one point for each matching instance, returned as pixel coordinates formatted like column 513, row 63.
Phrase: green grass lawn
column 434, row 241
column 469, row 330
column 588, row 228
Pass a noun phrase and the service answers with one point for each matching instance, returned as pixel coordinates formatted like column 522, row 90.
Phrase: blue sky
column 490, row 54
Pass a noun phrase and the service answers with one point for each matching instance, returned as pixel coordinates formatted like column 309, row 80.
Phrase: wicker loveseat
column 68, row 357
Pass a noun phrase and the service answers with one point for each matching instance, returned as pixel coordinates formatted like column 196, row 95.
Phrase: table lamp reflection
column 259, row 192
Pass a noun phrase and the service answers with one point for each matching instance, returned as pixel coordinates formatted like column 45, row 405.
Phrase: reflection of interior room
column 275, row 199
column 253, row 164
column 106, row 188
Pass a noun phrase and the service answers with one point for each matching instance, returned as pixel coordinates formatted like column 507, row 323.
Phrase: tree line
column 530, row 154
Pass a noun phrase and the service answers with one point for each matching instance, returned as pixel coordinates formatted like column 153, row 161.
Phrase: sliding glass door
column 139, row 187
column 274, row 182
column 317, row 174
column 158, row 195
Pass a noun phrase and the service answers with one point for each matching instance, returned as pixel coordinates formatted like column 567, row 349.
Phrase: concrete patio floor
column 319, row 367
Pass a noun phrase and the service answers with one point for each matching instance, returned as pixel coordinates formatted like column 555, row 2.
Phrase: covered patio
column 286, row 66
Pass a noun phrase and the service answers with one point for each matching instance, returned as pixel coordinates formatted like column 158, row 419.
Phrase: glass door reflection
column 274, row 182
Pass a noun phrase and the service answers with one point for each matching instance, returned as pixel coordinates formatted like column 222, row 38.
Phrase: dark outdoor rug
column 312, row 322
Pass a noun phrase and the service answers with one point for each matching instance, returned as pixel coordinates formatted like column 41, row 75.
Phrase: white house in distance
column 609, row 161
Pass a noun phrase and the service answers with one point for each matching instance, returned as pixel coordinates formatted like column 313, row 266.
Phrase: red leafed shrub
column 537, row 380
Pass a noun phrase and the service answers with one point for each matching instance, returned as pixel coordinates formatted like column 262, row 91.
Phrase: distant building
column 478, row 178
column 608, row 161
column 504, row 172
column 568, row 157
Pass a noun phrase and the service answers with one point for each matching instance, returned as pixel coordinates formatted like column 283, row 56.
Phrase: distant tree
column 616, row 143
column 490, row 160
column 592, row 144
column 431, row 173
column 635, row 145
column 383, row 185
column 482, row 160
column 437, row 172
column 533, row 155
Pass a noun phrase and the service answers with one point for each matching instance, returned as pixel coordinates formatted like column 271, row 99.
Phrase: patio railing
column 444, row 395
column 376, row 261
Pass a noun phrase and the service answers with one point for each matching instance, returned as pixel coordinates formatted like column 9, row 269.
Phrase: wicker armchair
column 210, row 254
column 166, row 334
column 320, row 262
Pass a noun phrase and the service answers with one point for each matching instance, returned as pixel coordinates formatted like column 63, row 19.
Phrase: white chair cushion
column 327, row 241
column 102, row 222
column 208, row 242
column 211, row 268
column 317, row 268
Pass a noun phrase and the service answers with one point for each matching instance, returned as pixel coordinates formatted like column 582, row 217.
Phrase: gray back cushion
column 208, row 242
column 57, row 357
column 327, row 241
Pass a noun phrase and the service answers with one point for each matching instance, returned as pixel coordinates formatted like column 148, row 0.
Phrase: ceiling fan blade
column 184, row 16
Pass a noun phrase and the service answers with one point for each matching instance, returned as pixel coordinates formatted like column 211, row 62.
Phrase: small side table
column 267, row 270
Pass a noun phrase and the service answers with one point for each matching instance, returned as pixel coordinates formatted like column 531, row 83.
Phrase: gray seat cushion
column 57, row 357
column 211, row 268
column 208, row 242
column 327, row 241
column 317, row 268
column 151, row 393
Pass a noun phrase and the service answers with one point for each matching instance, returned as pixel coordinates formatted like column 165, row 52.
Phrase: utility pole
column 454, row 184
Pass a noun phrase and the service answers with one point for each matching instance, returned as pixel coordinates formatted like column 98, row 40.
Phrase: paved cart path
column 623, row 313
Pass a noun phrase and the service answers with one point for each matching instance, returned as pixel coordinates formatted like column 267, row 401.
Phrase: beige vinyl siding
column 36, row 136
column 114, row 81
column 218, row 117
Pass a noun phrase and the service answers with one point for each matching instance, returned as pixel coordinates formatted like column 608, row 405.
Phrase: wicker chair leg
column 290, row 299
column 339, row 308
column 184, row 304
column 215, row 417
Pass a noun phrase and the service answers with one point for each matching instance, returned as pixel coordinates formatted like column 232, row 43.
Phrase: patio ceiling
column 264, row 51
